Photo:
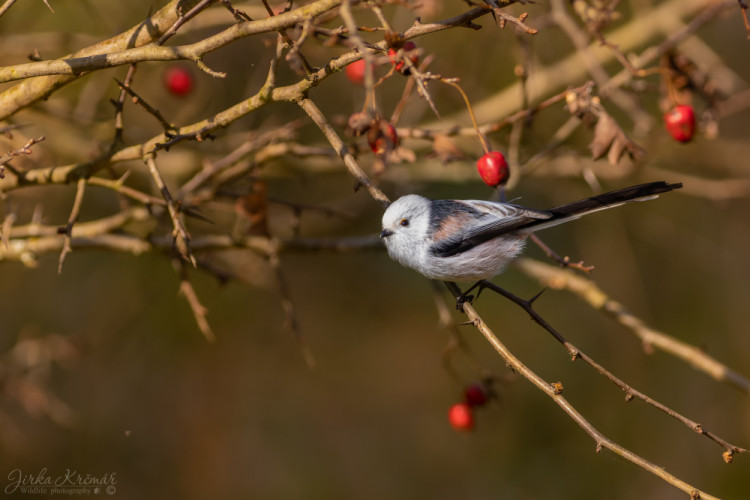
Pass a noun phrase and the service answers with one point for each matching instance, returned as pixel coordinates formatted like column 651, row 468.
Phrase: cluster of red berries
column 398, row 62
column 381, row 134
column 461, row 415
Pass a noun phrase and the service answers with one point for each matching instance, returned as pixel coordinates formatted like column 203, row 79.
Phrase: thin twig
column 474, row 123
column 562, row 261
column 351, row 25
column 68, row 229
column 23, row 150
column 146, row 106
column 289, row 311
column 355, row 170
column 199, row 310
column 456, row 342
column 118, row 186
column 488, row 128
column 306, row 65
column 502, row 18
column 119, row 105
column 182, row 19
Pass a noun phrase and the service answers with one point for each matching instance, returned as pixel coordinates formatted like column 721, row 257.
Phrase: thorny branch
column 590, row 292
column 554, row 391
column 575, row 353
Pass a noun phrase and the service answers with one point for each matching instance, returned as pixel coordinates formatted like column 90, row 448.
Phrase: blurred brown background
column 129, row 385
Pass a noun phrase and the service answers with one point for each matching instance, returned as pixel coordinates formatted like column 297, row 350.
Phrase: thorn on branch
column 35, row 56
column 533, row 299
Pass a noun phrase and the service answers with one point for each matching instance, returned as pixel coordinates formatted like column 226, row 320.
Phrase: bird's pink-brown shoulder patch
column 448, row 218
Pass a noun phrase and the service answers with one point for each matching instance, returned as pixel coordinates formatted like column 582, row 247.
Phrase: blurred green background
column 131, row 386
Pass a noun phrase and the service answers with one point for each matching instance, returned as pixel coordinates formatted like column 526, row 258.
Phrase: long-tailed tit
column 471, row 240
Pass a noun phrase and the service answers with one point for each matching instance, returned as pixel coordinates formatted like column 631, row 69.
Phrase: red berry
column 398, row 62
column 476, row 394
column 382, row 138
column 680, row 122
column 355, row 71
column 493, row 169
column 461, row 417
column 178, row 80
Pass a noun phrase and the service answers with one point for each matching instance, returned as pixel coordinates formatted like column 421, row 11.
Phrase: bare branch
column 180, row 234
column 554, row 392
column 587, row 290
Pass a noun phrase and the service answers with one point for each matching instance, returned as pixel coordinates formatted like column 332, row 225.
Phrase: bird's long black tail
column 576, row 209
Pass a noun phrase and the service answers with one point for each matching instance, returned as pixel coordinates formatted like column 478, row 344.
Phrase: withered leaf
column 445, row 148
column 253, row 207
column 611, row 140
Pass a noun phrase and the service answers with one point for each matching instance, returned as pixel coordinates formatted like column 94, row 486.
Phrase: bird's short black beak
column 385, row 233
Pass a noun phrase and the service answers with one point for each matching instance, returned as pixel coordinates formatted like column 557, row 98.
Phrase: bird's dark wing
column 458, row 226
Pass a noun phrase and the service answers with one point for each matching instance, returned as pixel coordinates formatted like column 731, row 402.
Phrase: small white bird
column 472, row 240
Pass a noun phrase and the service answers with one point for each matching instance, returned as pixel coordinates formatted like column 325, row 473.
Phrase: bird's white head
column 405, row 229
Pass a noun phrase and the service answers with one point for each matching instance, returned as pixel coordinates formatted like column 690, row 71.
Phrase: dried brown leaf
column 604, row 134
column 445, row 148
column 610, row 139
column 253, row 206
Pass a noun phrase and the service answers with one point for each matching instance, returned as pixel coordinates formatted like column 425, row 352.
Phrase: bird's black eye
column 404, row 222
